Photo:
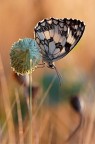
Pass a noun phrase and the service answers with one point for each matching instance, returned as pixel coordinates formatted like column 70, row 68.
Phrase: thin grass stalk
column 4, row 139
column 88, row 138
column 40, row 104
column 91, row 98
column 30, row 109
column 20, row 121
column 51, row 134
column 44, row 97
column 7, row 106
column 43, row 127
column 5, row 123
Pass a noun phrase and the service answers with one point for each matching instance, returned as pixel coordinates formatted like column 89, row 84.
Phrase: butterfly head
column 51, row 65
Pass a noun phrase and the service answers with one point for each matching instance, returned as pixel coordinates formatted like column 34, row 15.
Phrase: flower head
column 24, row 56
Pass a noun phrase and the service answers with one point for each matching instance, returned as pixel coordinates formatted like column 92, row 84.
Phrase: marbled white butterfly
column 57, row 37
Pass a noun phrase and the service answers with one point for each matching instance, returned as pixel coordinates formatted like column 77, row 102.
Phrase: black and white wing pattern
column 57, row 37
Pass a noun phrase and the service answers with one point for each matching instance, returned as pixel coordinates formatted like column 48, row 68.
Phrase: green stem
column 30, row 108
column 30, row 93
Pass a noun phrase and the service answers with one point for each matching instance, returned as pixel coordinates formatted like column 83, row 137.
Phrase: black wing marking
column 57, row 37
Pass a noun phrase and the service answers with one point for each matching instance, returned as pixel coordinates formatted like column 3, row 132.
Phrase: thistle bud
column 24, row 56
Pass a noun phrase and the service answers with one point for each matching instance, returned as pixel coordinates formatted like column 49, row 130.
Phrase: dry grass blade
column 87, row 133
column 91, row 119
column 39, row 106
column 5, row 94
column 51, row 134
column 30, row 111
column 43, row 127
column 4, row 125
column 44, row 97
column 5, row 139
column 20, row 122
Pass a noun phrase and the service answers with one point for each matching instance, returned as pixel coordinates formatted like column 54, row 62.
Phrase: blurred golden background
column 17, row 20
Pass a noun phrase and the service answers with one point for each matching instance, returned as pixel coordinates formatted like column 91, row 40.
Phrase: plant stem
column 30, row 108
column 7, row 105
column 20, row 121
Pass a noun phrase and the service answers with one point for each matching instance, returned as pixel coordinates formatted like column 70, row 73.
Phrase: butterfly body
column 57, row 37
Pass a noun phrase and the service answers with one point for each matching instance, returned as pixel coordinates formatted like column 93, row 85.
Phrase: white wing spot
column 70, row 38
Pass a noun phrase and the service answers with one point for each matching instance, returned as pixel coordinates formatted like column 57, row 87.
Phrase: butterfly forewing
column 57, row 37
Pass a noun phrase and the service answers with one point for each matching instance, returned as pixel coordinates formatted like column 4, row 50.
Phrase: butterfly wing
column 57, row 37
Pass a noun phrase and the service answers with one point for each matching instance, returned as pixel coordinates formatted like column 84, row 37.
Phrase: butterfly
column 57, row 37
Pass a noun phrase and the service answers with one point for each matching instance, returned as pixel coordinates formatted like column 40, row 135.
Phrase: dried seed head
column 24, row 56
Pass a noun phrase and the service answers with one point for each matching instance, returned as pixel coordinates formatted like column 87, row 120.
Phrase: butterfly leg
column 59, row 76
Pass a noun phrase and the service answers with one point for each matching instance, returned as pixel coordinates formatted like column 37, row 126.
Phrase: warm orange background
column 18, row 19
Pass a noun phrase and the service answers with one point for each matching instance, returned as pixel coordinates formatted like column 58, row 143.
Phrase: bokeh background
column 17, row 20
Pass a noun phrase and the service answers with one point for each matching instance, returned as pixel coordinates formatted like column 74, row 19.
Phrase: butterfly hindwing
column 57, row 37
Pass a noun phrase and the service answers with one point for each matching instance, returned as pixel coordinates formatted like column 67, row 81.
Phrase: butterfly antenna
column 58, row 74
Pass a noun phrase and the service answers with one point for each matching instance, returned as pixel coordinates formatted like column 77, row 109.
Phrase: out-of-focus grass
column 7, row 106
column 53, row 118
column 57, row 93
